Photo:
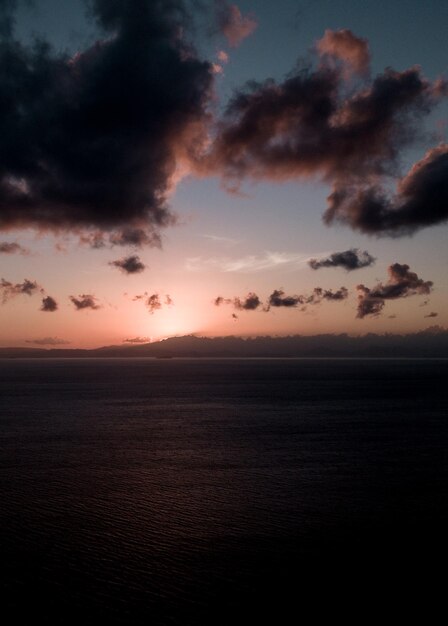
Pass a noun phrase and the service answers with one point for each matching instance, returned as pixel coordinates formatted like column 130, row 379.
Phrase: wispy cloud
column 224, row 240
column 248, row 263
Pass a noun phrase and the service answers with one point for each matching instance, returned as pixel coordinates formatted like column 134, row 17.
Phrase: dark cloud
column 153, row 303
column 93, row 141
column 169, row 300
column 278, row 299
column 85, row 301
column 421, row 200
column 432, row 314
column 352, row 259
column 402, row 283
column 49, row 304
column 250, row 303
column 328, row 294
column 10, row 290
column 12, row 248
column 138, row 340
column 232, row 24
column 136, row 237
column 48, row 341
column 129, row 265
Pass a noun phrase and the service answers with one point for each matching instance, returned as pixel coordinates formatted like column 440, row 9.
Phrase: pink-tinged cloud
column 233, row 24
column 308, row 126
column 402, row 283
column 223, row 57
column 342, row 45
column 313, row 125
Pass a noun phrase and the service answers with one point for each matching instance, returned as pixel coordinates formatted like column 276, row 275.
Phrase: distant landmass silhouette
column 429, row 343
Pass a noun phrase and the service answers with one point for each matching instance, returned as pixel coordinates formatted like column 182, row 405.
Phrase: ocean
column 222, row 491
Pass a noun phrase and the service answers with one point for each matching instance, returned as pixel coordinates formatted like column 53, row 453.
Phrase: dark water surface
column 210, row 492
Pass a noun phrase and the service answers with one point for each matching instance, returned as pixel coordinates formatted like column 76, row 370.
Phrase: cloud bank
column 94, row 143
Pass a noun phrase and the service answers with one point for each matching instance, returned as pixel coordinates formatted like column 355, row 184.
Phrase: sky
column 184, row 167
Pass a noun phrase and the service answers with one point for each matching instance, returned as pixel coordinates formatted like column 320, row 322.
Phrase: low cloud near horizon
column 48, row 341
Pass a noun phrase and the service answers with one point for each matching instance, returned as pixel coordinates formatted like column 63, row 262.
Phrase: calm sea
column 212, row 491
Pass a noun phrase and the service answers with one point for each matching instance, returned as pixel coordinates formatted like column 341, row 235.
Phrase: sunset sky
column 170, row 168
